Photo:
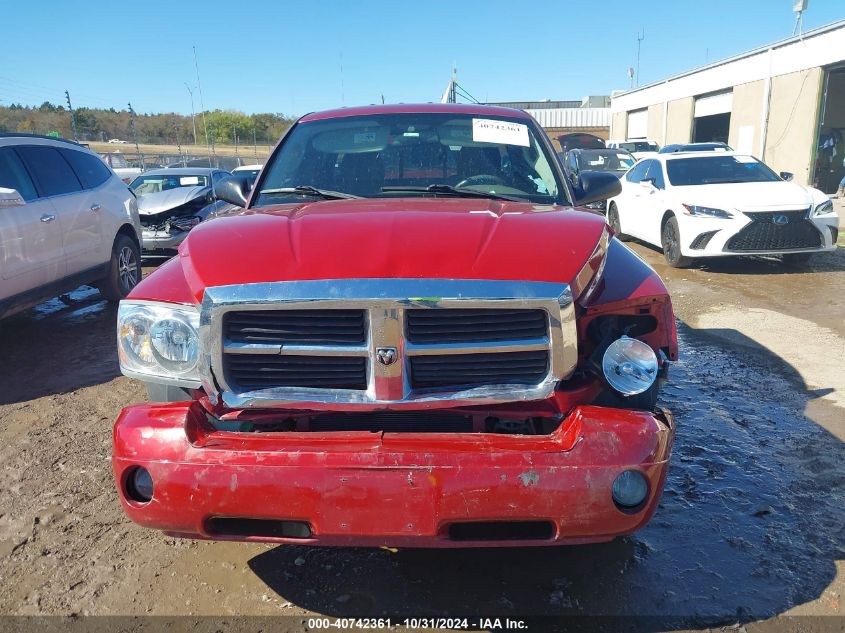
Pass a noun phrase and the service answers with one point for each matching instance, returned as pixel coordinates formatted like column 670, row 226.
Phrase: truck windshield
column 709, row 170
column 390, row 155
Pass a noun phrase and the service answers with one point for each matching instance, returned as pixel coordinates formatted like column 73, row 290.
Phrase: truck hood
column 445, row 238
column 153, row 203
column 749, row 196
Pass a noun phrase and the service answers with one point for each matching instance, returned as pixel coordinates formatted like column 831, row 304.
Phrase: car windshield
column 389, row 155
column 639, row 146
column 604, row 160
column 153, row 183
column 716, row 169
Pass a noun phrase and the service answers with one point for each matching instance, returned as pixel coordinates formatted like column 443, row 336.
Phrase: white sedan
column 706, row 204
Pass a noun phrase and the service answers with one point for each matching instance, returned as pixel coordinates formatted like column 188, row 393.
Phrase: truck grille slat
column 284, row 327
column 329, row 372
column 472, row 369
column 762, row 234
column 471, row 326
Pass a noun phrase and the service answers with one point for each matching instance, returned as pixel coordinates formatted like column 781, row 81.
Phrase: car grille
column 259, row 371
column 468, row 326
column 468, row 370
column 283, row 327
column 762, row 234
column 371, row 345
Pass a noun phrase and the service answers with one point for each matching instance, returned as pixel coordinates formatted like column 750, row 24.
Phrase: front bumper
column 161, row 241
column 391, row 489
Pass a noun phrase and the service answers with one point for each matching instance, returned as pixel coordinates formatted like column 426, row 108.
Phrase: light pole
column 193, row 122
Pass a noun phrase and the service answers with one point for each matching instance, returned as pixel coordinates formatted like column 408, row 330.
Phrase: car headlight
column 159, row 342
column 692, row 209
column 629, row 366
column 824, row 208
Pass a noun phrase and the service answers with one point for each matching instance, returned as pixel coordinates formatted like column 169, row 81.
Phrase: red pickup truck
column 408, row 337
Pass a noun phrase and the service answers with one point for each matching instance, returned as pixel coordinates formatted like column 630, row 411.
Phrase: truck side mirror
column 787, row 175
column 595, row 186
column 233, row 189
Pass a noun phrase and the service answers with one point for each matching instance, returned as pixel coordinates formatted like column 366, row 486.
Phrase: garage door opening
column 712, row 129
column 712, row 117
column 830, row 145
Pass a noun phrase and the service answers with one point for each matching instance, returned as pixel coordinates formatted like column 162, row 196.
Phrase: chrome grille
column 376, row 344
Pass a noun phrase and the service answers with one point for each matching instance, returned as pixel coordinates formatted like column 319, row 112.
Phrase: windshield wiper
column 308, row 190
column 450, row 190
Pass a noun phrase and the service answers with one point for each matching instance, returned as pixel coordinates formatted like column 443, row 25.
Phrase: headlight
column 692, row 209
column 629, row 366
column 824, row 208
column 159, row 342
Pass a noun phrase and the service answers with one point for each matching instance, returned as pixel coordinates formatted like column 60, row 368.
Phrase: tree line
column 224, row 127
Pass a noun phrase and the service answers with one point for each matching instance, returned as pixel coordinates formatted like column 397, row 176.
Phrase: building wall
column 619, row 126
column 793, row 113
column 655, row 123
column 679, row 121
column 746, row 113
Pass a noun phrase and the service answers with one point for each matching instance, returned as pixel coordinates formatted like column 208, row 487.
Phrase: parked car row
column 67, row 217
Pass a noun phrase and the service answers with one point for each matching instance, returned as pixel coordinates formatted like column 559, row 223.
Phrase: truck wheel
column 124, row 269
column 613, row 221
column 670, row 239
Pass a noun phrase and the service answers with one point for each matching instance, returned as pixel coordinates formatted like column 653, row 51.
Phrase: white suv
column 66, row 220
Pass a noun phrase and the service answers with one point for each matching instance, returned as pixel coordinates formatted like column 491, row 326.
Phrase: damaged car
column 173, row 201
column 412, row 335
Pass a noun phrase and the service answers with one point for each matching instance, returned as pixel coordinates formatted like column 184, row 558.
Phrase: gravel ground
column 751, row 526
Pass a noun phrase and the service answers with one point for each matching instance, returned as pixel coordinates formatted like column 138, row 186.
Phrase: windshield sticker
column 494, row 131
column 189, row 180
column 364, row 137
column 745, row 159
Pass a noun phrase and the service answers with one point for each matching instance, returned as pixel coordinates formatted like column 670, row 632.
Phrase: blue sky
column 286, row 57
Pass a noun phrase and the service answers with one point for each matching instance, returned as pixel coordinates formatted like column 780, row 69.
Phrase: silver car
column 173, row 201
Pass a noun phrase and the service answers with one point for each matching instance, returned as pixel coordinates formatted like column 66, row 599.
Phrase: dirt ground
column 751, row 525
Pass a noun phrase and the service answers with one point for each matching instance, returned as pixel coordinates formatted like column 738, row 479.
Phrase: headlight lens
column 824, row 208
column 629, row 366
column 158, row 340
column 692, row 209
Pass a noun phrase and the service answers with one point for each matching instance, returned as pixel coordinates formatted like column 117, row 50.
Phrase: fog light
column 629, row 365
column 629, row 489
column 139, row 485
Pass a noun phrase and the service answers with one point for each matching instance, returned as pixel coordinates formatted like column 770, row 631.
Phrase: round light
column 174, row 344
column 133, row 336
column 140, row 485
column 629, row 489
column 629, row 366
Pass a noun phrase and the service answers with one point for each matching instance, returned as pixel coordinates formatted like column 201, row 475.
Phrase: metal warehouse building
column 784, row 103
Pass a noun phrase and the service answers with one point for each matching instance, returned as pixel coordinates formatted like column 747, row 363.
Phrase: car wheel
column 613, row 221
column 797, row 259
column 124, row 269
column 670, row 239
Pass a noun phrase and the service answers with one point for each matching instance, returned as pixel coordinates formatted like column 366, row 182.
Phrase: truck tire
column 124, row 269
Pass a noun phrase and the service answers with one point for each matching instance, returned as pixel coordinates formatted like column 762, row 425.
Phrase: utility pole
column 640, row 38
column 72, row 116
column 193, row 120
column 202, row 106
column 235, row 138
column 254, row 142
column 135, row 135
column 178, row 142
